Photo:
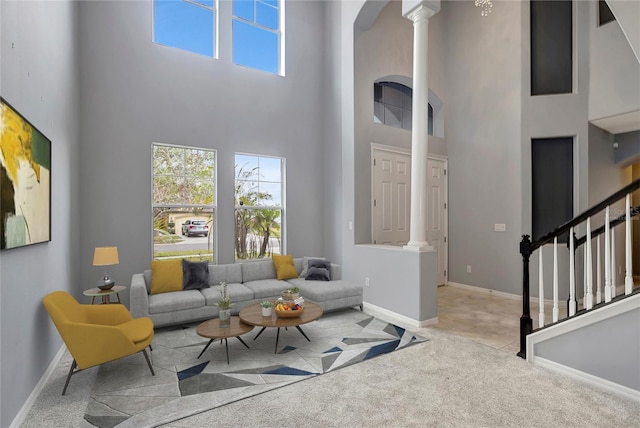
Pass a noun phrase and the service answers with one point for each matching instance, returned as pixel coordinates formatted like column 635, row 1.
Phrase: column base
column 418, row 246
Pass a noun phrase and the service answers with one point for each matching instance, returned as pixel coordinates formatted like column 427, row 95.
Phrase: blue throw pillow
column 195, row 275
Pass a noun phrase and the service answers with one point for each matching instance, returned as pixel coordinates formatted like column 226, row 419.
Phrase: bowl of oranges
column 288, row 309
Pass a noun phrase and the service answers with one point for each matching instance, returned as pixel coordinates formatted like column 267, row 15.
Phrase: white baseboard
column 26, row 407
column 395, row 318
column 496, row 292
column 590, row 379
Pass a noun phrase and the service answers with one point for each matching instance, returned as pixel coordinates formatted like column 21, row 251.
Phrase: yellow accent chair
column 96, row 334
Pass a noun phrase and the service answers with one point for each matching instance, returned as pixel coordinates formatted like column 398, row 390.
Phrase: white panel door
column 437, row 213
column 391, row 197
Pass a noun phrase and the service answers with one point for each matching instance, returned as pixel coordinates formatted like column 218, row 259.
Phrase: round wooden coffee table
column 213, row 330
column 253, row 315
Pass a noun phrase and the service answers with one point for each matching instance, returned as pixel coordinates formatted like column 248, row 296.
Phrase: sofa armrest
column 138, row 297
column 336, row 272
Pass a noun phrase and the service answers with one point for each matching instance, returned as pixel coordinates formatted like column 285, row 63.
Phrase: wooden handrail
column 613, row 223
column 635, row 185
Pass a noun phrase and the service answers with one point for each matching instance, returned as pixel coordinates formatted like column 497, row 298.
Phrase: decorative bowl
column 288, row 314
column 290, row 296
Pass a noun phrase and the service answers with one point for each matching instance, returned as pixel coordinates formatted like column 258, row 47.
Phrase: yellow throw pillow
column 166, row 275
column 285, row 269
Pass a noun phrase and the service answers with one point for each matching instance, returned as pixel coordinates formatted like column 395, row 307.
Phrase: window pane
column 173, row 239
column 270, row 169
column 378, row 112
column 167, row 160
column 246, row 167
column 267, row 15
column 270, row 194
column 244, row 9
column 254, row 47
column 184, row 26
column 406, row 120
column 258, row 233
column 392, row 116
column 392, row 96
column 167, row 189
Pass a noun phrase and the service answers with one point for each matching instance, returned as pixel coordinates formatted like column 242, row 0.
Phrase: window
column 184, row 202
column 552, row 184
column 189, row 25
column 257, row 34
column 392, row 105
column 551, row 47
column 259, row 206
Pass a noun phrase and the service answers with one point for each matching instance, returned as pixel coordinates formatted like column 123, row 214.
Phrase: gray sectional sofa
column 248, row 283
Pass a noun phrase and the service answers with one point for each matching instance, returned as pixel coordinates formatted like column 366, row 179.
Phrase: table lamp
column 105, row 256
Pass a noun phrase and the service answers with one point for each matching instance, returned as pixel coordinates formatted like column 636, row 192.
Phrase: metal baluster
column 589, row 292
column 556, row 310
column 541, row 290
column 628, row 279
column 572, row 276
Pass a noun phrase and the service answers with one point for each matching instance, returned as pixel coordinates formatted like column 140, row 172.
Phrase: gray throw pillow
column 195, row 275
column 305, row 265
column 319, row 270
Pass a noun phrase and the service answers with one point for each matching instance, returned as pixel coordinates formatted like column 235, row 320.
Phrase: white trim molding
column 588, row 378
column 395, row 318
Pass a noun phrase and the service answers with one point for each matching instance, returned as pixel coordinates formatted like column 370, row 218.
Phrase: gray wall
column 38, row 77
column 483, row 133
column 628, row 150
column 613, row 356
column 134, row 92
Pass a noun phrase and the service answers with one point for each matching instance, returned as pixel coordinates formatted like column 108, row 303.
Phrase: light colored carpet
column 449, row 381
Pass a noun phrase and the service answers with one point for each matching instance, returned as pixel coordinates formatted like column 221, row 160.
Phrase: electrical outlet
column 366, row 281
column 468, row 268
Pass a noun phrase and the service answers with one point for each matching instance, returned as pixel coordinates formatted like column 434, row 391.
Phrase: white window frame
column 283, row 234
column 278, row 32
column 213, row 206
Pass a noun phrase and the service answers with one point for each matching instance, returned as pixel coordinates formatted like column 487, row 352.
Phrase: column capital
column 420, row 9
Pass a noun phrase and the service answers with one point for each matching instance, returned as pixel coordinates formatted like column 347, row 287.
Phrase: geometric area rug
column 125, row 394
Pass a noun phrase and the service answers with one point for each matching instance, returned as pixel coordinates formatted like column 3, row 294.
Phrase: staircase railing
column 527, row 248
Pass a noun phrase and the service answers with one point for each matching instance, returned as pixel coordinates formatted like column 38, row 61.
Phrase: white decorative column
column 419, row 12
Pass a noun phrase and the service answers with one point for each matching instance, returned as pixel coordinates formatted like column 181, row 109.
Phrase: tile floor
column 484, row 317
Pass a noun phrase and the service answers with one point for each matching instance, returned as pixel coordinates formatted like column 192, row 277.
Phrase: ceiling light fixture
column 485, row 6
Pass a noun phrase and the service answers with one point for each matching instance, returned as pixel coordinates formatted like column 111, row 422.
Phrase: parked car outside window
column 195, row 227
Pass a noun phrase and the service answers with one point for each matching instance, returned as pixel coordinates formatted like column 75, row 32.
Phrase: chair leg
column 146, row 356
column 150, row 348
column 71, row 372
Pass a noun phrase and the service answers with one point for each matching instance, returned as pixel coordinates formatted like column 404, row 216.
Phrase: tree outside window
column 258, row 211
column 183, row 202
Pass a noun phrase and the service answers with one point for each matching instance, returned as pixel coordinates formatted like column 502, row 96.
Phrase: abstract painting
column 25, row 181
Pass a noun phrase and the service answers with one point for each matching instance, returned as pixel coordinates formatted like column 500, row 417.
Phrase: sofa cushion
column 175, row 301
column 320, row 291
column 237, row 292
column 195, row 275
column 266, row 288
column 230, row 273
column 253, row 271
column 285, row 269
column 166, row 276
